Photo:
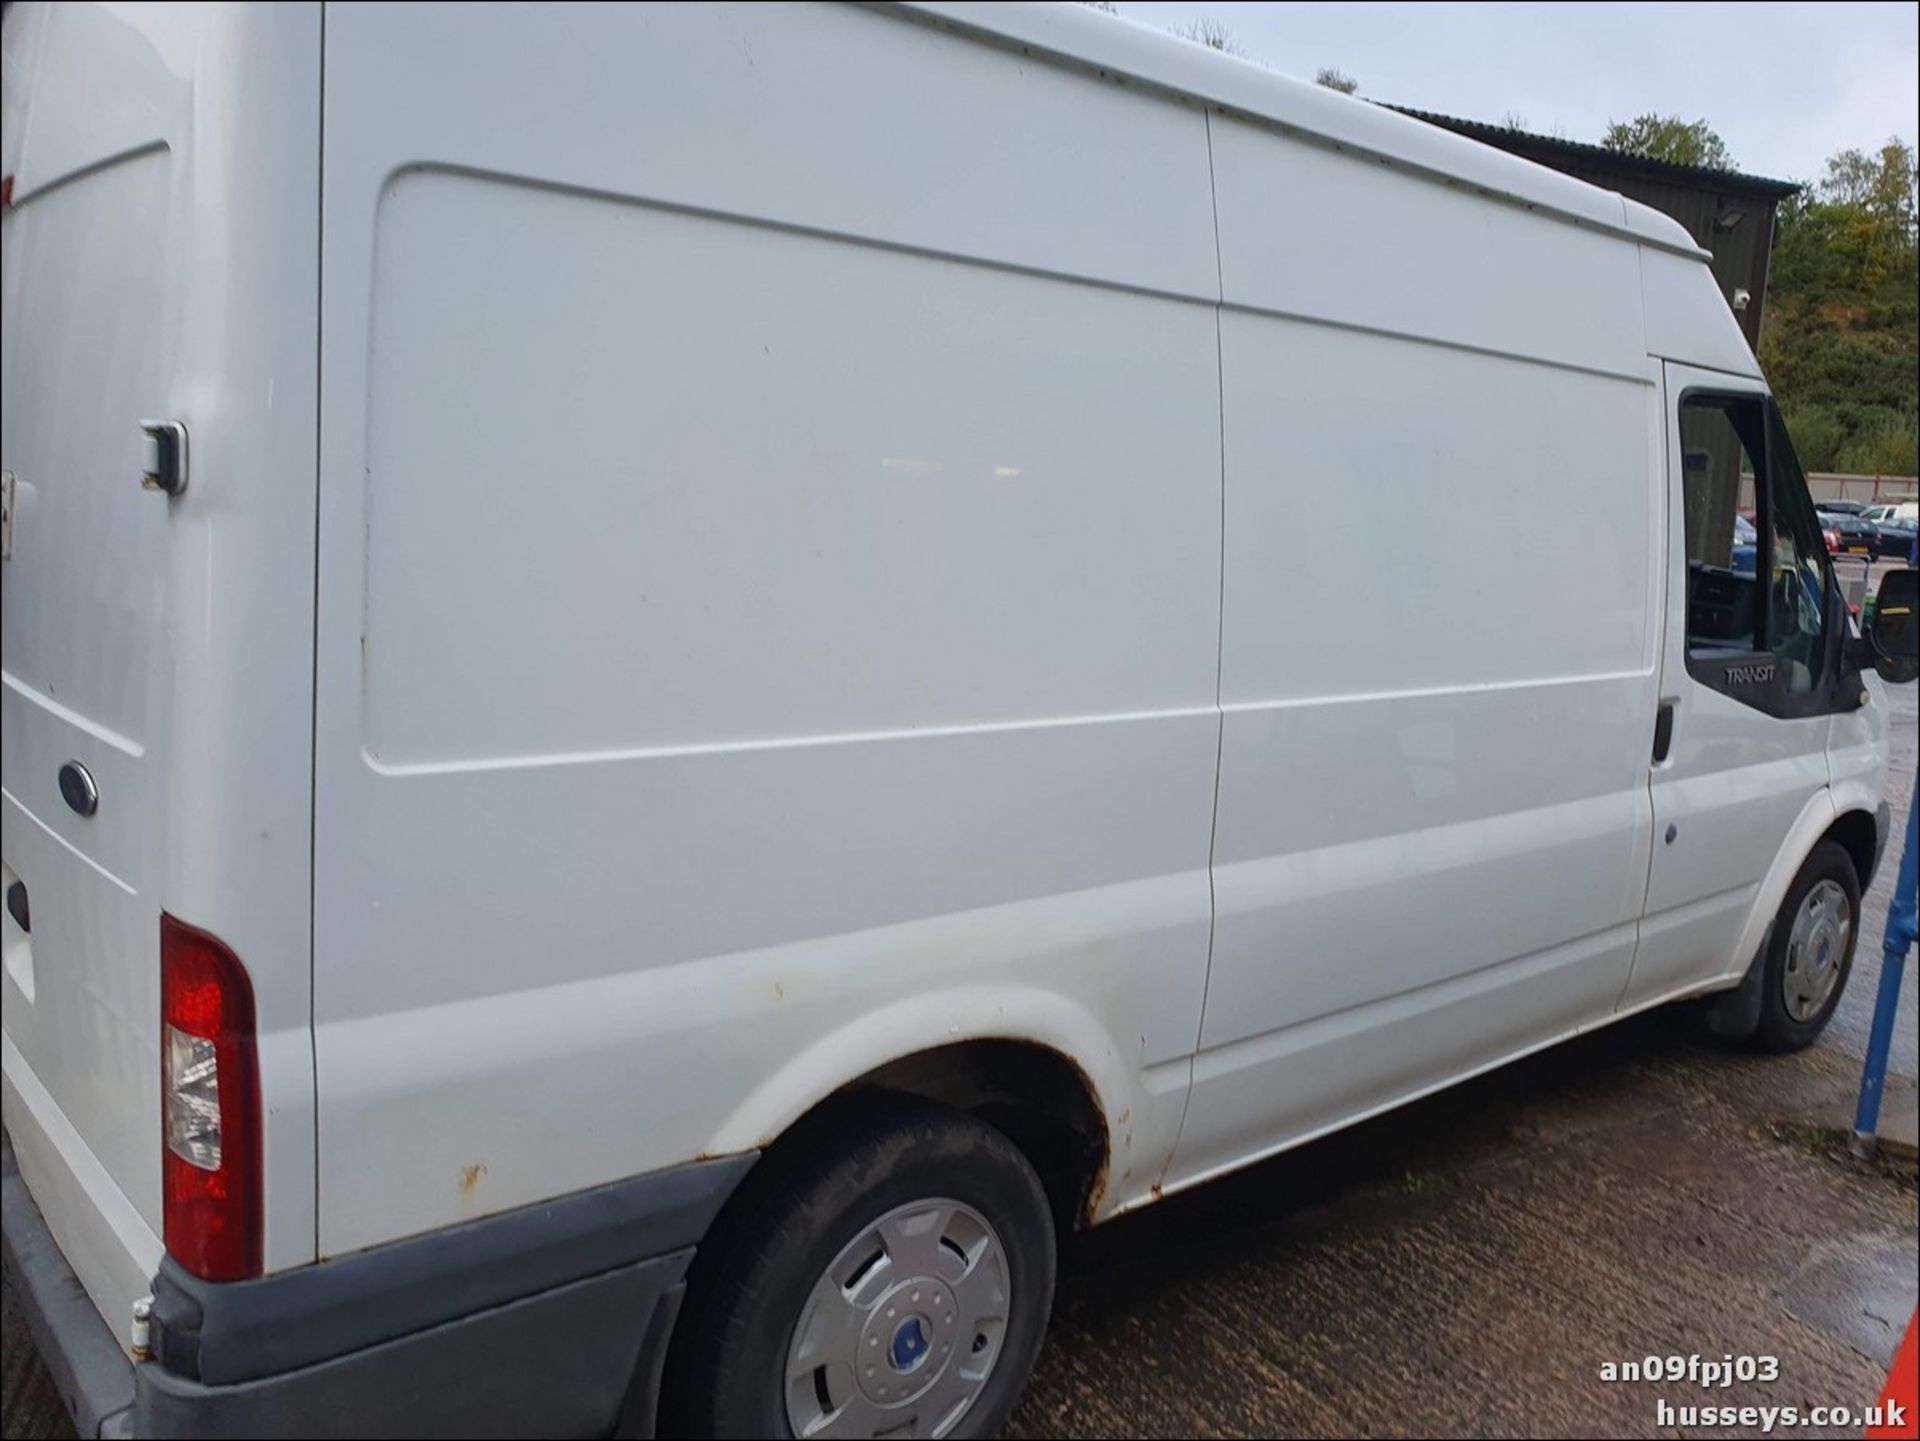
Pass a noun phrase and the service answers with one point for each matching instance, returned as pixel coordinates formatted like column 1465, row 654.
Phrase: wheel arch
column 1054, row 1083
column 1821, row 819
column 1858, row 834
column 1816, row 818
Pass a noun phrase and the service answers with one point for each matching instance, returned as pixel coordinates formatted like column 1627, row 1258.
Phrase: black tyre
column 891, row 1272
column 1809, row 952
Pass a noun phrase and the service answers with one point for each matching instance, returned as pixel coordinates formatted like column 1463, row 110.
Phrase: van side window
column 1722, row 549
column 1757, row 580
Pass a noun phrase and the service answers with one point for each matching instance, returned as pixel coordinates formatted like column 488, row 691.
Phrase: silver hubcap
column 900, row 1335
column 1816, row 948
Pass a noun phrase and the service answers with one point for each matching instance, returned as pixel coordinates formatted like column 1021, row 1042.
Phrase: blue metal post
column 1901, row 921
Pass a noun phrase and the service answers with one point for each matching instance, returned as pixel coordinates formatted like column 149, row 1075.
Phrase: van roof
column 1119, row 49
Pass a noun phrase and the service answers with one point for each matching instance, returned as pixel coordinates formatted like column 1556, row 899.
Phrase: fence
column 1869, row 489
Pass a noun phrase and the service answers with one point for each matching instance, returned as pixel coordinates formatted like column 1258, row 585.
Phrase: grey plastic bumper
column 563, row 1363
column 550, row 1320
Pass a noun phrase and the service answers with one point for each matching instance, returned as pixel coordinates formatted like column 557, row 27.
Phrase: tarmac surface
column 1465, row 1266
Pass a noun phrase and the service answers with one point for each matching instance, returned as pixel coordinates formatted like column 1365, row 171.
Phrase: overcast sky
column 1785, row 85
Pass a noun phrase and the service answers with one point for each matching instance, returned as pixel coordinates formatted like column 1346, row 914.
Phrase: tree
column 1212, row 34
column 1335, row 80
column 1880, row 184
column 1669, row 138
column 1841, row 344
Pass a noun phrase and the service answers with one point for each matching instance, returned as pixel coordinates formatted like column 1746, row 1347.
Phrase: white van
column 672, row 687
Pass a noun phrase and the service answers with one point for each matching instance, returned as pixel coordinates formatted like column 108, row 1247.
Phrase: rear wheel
column 1810, row 951
column 888, row 1277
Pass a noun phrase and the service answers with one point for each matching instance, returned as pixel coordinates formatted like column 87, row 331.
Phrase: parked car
column 1894, row 538
column 652, row 733
column 1840, row 507
column 1745, row 546
column 1848, row 534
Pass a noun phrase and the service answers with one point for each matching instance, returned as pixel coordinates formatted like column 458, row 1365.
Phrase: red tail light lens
column 210, row 1100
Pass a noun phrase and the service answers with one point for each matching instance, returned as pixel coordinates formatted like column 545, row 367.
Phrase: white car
column 671, row 689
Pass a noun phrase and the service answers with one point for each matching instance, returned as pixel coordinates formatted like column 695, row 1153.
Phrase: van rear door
column 160, row 254
column 83, row 691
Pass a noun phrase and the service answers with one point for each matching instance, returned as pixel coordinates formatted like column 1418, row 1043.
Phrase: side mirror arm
column 1855, row 653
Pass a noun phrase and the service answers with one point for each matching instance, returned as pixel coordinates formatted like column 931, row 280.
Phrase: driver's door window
column 1757, row 579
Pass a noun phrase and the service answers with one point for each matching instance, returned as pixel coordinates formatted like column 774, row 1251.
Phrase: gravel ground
column 1464, row 1265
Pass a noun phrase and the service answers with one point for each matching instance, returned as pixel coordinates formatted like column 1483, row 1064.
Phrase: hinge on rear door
column 6, row 515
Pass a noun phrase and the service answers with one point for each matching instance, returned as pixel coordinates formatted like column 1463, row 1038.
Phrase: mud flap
column 1734, row 1015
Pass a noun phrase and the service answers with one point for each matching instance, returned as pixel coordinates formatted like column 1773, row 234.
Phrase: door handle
column 1663, row 732
column 163, row 456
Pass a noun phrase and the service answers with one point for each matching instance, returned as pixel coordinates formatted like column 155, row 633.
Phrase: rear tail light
column 210, row 1089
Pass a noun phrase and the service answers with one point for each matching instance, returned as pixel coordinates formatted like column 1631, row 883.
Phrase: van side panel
column 1687, row 317
column 1309, row 231
column 769, row 588
column 1433, row 818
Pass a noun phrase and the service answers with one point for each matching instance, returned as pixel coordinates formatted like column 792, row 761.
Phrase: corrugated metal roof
column 1612, row 161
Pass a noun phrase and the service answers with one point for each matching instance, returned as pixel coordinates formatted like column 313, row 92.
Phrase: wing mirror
column 1893, row 632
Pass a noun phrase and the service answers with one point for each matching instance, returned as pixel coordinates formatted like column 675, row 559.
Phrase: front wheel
column 1810, row 952
column 892, row 1276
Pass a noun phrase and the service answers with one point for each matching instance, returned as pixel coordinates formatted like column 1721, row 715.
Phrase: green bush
column 1889, row 446
column 1817, row 434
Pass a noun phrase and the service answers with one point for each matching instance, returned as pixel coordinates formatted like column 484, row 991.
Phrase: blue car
column 1746, row 546
column 1893, row 539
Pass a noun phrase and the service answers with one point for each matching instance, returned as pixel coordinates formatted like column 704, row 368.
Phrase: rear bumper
column 550, row 1320
column 566, row 1362
column 91, row 1372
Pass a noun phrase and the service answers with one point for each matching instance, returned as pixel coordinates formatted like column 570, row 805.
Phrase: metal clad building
column 1724, row 211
